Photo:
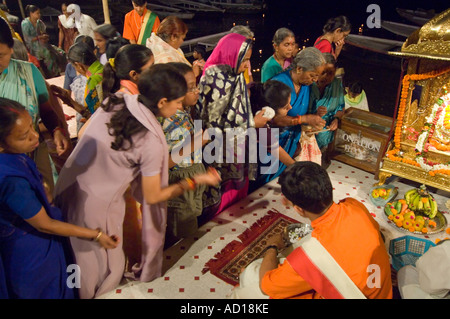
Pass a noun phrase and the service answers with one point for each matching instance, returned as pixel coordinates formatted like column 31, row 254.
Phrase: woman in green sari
column 22, row 82
column 327, row 101
column 37, row 42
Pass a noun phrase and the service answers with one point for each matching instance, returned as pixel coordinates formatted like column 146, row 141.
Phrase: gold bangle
column 191, row 183
column 100, row 233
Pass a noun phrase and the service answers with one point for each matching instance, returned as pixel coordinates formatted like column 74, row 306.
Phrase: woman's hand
column 334, row 125
column 108, row 242
column 61, row 142
column 211, row 177
column 321, row 111
column 316, row 121
column 260, row 120
column 340, row 43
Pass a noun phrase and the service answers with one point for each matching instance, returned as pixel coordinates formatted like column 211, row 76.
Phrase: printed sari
column 93, row 94
column 44, row 52
column 223, row 106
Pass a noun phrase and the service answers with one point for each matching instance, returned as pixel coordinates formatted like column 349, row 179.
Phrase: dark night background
column 379, row 73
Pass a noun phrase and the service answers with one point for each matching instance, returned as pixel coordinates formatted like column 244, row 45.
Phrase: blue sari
column 33, row 264
column 289, row 136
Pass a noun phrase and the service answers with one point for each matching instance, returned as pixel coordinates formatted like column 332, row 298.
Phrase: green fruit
column 387, row 210
column 415, row 203
column 398, row 206
column 420, row 205
column 434, row 209
column 410, row 194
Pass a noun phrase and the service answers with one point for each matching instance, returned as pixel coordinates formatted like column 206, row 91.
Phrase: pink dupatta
column 226, row 51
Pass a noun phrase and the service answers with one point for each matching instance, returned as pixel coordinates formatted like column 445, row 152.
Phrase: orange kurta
column 133, row 24
column 351, row 236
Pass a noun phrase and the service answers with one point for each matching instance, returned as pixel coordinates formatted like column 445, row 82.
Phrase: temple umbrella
column 106, row 11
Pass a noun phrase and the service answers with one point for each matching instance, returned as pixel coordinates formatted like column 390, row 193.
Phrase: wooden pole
column 21, row 9
column 106, row 11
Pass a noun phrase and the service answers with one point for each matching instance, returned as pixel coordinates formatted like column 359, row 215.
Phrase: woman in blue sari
column 327, row 101
column 304, row 71
column 33, row 260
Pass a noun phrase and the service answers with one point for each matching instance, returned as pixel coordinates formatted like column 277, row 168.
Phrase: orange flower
column 404, row 96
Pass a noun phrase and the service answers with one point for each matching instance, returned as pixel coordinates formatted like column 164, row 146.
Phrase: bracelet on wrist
column 99, row 234
column 191, row 183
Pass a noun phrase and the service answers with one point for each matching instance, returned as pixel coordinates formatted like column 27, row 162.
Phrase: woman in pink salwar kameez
column 106, row 161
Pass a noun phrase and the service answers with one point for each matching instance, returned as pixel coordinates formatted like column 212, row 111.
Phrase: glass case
column 361, row 139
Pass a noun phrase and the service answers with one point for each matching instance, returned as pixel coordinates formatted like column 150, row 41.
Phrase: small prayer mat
column 229, row 263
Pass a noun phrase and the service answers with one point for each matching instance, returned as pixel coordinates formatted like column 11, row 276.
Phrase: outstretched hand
column 108, row 242
column 211, row 177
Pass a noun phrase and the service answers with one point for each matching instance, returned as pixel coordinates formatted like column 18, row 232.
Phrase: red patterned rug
column 228, row 263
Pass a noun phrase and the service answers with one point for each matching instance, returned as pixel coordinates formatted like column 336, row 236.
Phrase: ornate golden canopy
column 431, row 41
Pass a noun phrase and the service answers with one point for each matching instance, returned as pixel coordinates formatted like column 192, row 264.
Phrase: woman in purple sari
column 124, row 146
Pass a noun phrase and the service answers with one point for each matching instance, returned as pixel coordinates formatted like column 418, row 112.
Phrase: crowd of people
column 136, row 179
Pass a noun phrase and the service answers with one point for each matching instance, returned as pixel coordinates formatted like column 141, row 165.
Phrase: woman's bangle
column 99, row 234
column 191, row 183
column 297, row 120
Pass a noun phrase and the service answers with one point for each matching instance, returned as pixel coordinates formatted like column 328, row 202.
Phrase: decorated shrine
column 420, row 149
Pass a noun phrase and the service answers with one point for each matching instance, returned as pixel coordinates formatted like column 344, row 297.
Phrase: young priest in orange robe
column 140, row 23
column 343, row 257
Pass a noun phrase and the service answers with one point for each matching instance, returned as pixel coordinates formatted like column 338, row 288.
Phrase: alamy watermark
column 231, row 145
column 374, row 19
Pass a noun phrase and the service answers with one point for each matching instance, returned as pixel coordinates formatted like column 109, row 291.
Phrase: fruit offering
column 383, row 193
column 401, row 214
column 420, row 200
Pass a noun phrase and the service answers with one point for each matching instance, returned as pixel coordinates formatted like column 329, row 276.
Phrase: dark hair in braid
column 158, row 82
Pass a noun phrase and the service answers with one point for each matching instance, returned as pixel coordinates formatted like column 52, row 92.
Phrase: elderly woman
column 166, row 42
column 304, row 71
column 224, row 105
column 327, row 101
column 283, row 44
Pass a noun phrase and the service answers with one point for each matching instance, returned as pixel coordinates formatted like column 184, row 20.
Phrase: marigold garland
column 401, row 113
column 439, row 146
column 404, row 96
